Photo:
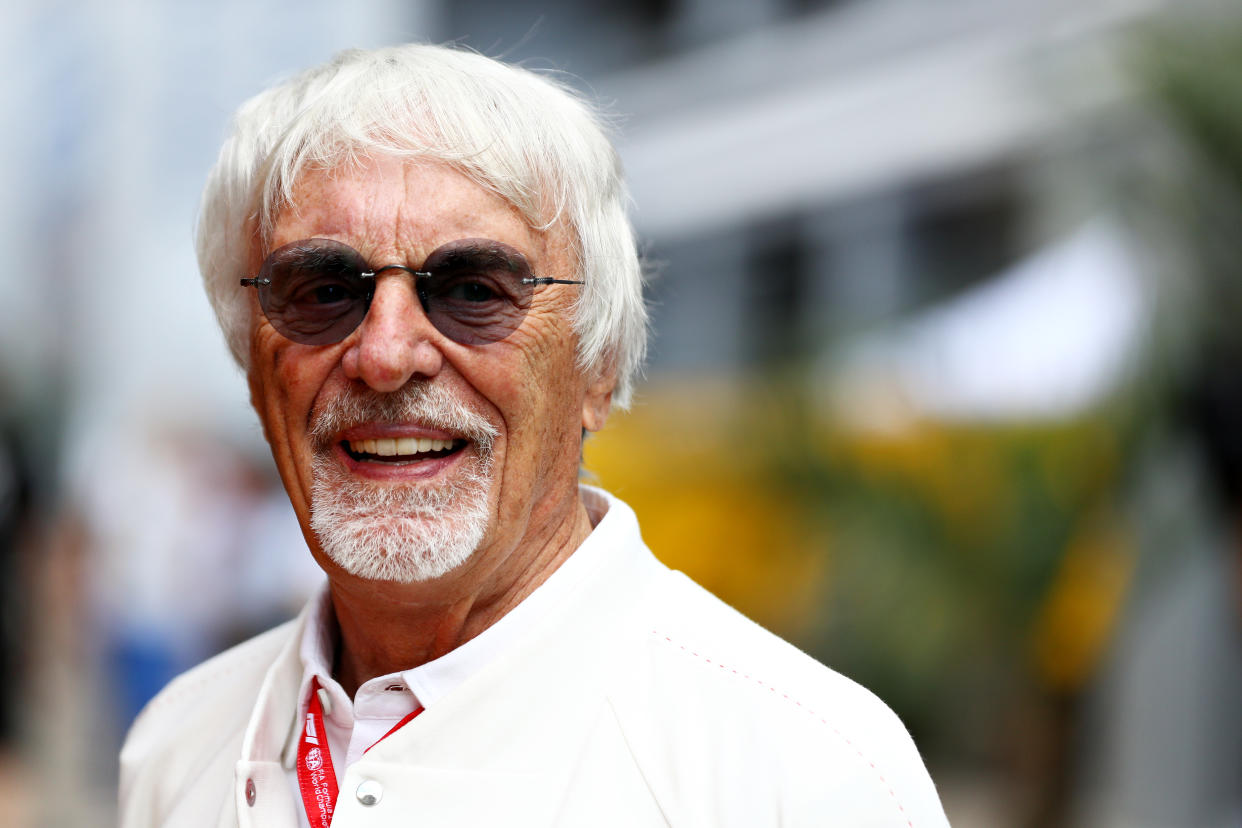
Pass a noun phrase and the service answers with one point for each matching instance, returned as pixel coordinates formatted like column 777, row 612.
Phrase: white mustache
column 423, row 403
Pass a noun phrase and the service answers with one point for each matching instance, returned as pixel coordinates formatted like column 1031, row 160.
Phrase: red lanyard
column 316, row 774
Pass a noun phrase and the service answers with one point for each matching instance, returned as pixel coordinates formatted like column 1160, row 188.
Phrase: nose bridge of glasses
column 374, row 274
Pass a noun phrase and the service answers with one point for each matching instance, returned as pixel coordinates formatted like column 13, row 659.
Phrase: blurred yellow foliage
column 696, row 480
column 1077, row 618
column 908, row 546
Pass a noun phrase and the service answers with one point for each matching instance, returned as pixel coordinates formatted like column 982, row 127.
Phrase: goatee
column 393, row 532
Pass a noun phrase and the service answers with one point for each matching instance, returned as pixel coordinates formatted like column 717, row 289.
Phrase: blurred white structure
column 857, row 100
column 1049, row 338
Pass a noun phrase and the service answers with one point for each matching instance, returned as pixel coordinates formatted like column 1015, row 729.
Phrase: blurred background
column 945, row 384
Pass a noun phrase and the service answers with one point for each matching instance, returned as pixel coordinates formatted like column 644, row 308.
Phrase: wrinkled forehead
column 350, row 156
column 388, row 205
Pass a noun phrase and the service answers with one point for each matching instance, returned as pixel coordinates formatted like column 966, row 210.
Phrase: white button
column 251, row 793
column 370, row 792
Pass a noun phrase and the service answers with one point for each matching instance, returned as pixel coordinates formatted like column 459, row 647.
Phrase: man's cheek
column 299, row 375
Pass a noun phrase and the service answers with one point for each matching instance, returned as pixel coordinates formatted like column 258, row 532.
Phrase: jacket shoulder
column 718, row 698
column 197, row 720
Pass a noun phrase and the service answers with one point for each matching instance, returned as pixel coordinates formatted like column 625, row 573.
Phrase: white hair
column 526, row 137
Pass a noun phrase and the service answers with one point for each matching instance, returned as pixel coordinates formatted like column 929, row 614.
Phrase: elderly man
column 422, row 259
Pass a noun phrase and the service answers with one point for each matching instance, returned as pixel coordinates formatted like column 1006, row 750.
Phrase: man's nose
column 397, row 341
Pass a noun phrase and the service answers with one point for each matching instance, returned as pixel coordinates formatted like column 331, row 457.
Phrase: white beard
column 395, row 532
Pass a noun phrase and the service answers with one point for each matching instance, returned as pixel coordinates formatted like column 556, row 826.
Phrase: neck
column 388, row 627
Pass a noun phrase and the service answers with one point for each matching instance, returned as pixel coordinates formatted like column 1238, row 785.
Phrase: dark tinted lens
column 475, row 292
column 316, row 295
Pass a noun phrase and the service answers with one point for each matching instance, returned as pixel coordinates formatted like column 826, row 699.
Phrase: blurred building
column 776, row 150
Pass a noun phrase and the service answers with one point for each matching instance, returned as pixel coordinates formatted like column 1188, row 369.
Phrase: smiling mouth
column 401, row 451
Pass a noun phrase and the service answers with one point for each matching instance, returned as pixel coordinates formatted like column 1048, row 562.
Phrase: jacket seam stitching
column 805, row 709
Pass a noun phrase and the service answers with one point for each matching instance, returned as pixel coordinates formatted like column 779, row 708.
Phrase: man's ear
column 597, row 401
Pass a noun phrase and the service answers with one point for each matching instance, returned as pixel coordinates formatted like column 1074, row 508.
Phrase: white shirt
column 353, row 726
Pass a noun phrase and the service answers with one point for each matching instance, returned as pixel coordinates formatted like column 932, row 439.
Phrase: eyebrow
column 478, row 252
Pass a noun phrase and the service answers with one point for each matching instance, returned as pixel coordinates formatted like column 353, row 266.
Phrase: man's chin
column 401, row 533
column 400, row 550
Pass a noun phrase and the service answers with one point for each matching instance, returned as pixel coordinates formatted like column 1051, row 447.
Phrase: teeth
column 388, row 447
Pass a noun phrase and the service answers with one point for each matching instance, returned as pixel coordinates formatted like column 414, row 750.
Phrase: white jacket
column 638, row 700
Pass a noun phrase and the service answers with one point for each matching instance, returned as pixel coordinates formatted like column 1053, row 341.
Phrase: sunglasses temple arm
column 548, row 281
column 252, row 282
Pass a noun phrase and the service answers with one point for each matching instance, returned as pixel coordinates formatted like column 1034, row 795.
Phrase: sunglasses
column 474, row 291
